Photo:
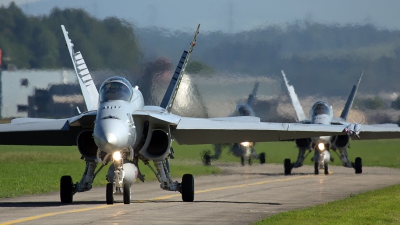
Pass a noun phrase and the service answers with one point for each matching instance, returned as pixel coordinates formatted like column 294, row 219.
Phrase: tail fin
column 89, row 90
column 350, row 99
column 253, row 95
column 173, row 86
column 295, row 101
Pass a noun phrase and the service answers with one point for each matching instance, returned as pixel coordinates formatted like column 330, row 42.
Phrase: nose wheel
column 127, row 193
column 110, row 193
column 326, row 171
column 187, row 188
column 316, row 168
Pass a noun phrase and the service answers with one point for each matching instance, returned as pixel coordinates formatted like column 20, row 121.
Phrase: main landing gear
column 288, row 166
column 66, row 189
column 358, row 165
column 187, row 188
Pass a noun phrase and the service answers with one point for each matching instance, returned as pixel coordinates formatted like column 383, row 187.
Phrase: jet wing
column 378, row 131
column 29, row 131
column 193, row 131
column 47, row 132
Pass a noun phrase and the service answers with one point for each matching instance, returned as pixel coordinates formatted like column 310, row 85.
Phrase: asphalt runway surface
column 240, row 195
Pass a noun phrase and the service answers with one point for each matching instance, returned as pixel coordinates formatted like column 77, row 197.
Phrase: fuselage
column 244, row 148
column 114, row 128
column 321, row 113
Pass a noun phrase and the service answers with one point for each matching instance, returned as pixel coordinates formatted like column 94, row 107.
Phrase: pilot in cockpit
column 320, row 108
column 115, row 90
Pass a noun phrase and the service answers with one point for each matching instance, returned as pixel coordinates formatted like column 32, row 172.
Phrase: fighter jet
column 322, row 113
column 244, row 150
column 120, row 130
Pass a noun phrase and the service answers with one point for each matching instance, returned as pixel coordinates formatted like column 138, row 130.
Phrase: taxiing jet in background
column 322, row 113
column 244, row 150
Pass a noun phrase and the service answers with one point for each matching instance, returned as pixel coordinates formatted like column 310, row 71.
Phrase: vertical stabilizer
column 295, row 101
column 89, row 90
column 253, row 95
column 173, row 86
column 350, row 99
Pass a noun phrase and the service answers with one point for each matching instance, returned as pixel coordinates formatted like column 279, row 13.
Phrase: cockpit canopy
column 115, row 88
column 320, row 108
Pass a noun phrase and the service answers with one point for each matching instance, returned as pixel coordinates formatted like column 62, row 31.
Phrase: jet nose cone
column 111, row 138
column 111, row 135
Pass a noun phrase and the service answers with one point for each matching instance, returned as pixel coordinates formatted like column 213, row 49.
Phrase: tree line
column 29, row 42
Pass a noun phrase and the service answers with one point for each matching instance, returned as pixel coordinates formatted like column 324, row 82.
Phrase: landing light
column 321, row 146
column 117, row 156
column 245, row 144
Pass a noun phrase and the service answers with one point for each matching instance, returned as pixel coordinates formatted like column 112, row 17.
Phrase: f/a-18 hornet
column 244, row 150
column 119, row 129
column 322, row 113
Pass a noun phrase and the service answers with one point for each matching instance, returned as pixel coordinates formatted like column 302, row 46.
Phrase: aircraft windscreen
column 115, row 90
column 320, row 108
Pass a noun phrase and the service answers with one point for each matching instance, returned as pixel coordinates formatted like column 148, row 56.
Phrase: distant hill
column 318, row 59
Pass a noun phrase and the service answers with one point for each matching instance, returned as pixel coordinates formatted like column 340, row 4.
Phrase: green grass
column 373, row 207
column 38, row 169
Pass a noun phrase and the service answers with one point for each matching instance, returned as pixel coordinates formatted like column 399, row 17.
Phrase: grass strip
column 373, row 207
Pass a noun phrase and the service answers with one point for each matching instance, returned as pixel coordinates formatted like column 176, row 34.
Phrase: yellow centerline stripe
column 159, row 198
column 230, row 187
column 54, row 214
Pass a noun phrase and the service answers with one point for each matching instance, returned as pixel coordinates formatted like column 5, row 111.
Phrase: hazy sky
column 229, row 15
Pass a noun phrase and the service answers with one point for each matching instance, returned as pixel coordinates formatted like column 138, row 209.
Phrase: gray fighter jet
column 244, row 150
column 322, row 113
column 119, row 129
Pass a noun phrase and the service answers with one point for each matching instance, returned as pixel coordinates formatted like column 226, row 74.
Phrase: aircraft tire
column 127, row 193
column 206, row 159
column 66, row 189
column 326, row 171
column 316, row 169
column 287, row 166
column 242, row 160
column 358, row 165
column 262, row 157
column 110, row 193
column 187, row 188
